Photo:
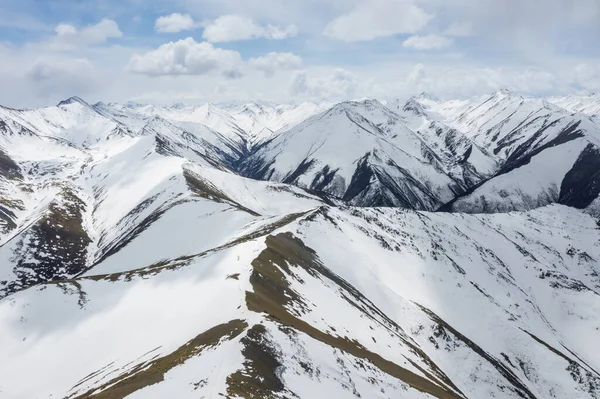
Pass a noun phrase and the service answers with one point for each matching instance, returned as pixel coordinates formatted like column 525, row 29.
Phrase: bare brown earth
column 272, row 292
column 152, row 372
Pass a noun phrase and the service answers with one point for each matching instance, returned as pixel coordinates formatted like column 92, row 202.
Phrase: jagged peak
column 345, row 107
column 154, row 124
column 247, row 110
column 424, row 96
column 73, row 100
column 341, row 107
column 414, row 106
column 506, row 93
column 350, row 104
column 157, row 119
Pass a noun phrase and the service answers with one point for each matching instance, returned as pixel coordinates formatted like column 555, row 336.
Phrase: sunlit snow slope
column 293, row 251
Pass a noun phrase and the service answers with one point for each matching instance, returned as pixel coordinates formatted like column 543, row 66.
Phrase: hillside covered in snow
column 418, row 249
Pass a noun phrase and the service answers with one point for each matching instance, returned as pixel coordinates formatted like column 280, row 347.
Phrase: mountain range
column 360, row 249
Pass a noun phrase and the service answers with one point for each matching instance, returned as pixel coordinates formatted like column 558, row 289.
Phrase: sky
column 195, row 51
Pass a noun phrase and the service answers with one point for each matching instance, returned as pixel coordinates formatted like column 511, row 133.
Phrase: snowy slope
column 543, row 153
column 588, row 105
column 474, row 147
column 246, row 124
column 304, row 313
column 464, row 159
column 262, row 121
column 359, row 152
column 72, row 120
column 65, row 209
column 506, row 122
column 137, row 261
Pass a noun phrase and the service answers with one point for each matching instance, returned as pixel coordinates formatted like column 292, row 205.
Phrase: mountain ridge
column 275, row 251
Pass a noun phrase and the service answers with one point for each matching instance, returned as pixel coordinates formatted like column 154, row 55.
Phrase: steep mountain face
column 67, row 205
column 477, row 155
column 543, row 152
column 464, row 159
column 192, row 142
column 133, row 249
column 361, row 153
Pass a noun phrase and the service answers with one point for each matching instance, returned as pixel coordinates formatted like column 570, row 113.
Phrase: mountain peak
column 414, row 106
column 506, row 93
column 73, row 100
column 424, row 96
column 350, row 104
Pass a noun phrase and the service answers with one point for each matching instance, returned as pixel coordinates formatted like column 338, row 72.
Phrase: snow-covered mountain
column 361, row 153
column 588, row 105
column 246, row 123
column 546, row 154
column 293, row 251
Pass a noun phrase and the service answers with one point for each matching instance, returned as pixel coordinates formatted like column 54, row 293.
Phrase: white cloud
column 416, row 74
column 299, row 83
column 587, row 76
column 529, row 29
column 429, row 42
column 174, row 23
column 48, row 79
column 273, row 62
column 459, row 30
column 339, row 84
column 49, row 70
column 69, row 37
column 465, row 80
column 187, row 57
column 275, row 33
column 371, row 19
column 63, row 30
column 229, row 28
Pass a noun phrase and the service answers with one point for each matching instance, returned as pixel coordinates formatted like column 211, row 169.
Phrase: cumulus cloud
column 175, row 22
column 187, row 57
column 272, row 62
column 429, row 42
column 371, row 19
column 229, row 28
column 69, row 37
column 339, row 84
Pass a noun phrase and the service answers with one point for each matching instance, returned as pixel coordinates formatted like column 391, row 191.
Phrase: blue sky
column 294, row 50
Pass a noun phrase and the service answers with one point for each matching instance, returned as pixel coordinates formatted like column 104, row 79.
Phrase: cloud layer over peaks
column 284, row 50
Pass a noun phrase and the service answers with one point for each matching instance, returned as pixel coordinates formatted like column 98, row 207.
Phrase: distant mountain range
column 416, row 249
